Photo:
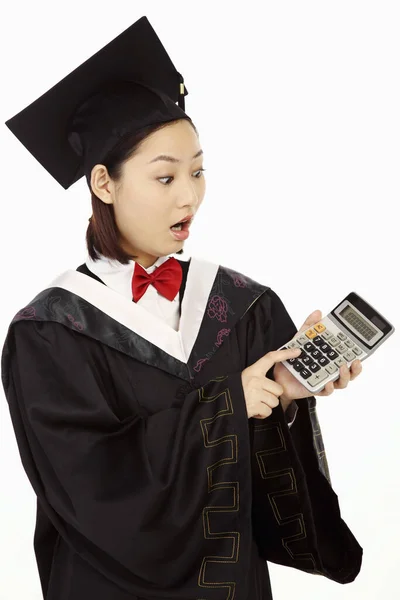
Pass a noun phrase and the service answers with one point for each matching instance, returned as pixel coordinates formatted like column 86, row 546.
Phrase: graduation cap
column 125, row 86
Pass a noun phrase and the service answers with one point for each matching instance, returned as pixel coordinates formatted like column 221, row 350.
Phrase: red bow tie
column 166, row 278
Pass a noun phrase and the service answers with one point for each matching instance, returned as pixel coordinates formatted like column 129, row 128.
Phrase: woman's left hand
column 294, row 390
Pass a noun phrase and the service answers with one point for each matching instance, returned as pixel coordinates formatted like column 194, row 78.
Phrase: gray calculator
column 352, row 330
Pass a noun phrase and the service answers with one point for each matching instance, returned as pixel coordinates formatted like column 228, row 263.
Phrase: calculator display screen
column 359, row 324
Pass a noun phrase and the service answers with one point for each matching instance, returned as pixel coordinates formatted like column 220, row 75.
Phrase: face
column 154, row 194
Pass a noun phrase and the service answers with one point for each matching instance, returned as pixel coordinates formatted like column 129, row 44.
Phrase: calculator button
column 332, row 354
column 302, row 355
column 323, row 361
column 357, row 350
column 307, row 359
column 318, row 341
column 305, row 373
column 340, row 361
column 326, row 334
column 297, row 366
column 302, row 339
column 311, row 334
column 349, row 343
column 325, row 348
column 333, row 341
column 331, row 368
column 314, row 367
column 318, row 377
column 291, row 360
column 341, row 348
column 293, row 344
column 349, row 355
column 316, row 354
column 319, row 327
column 341, row 336
column 309, row 347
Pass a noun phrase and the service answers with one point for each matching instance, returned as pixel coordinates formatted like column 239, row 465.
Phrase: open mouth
column 182, row 225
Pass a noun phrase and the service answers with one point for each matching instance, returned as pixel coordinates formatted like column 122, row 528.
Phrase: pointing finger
column 268, row 360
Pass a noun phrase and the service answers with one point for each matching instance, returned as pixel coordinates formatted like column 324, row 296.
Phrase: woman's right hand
column 262, row 394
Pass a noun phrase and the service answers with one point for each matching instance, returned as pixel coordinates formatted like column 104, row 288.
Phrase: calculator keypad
column 341, row 348
column 322, row 353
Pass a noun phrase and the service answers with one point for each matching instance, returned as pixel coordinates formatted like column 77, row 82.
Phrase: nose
column 191, row 196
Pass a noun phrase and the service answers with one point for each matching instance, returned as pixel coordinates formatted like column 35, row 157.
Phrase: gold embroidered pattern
column 232, row 458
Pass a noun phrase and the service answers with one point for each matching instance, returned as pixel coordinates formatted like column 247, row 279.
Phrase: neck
column 143, row 259
column 146, row 262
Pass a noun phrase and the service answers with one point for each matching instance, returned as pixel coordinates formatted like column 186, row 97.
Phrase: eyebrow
column 172, row 159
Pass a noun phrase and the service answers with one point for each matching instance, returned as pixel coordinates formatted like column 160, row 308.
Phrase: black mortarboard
column 125, row 86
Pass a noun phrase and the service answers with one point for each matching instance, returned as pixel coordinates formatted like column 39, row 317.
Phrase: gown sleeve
column 111, row 486
column 296, row 515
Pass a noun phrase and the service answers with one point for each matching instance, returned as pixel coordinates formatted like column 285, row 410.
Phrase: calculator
column 352, row 330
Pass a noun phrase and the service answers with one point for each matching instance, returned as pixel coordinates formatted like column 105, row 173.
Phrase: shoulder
column 46, row 347
column 264, row 302
column 231, row 274
column 35, row 338
column 269, row 301
column 270, row 296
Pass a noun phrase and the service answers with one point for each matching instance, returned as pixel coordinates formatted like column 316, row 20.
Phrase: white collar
column 119, row 276
column 106, row 265
column 179, row 344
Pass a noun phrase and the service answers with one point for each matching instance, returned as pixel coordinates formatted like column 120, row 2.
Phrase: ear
column 101, row 183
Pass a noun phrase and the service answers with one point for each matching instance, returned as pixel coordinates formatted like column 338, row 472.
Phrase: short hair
column 102, row 234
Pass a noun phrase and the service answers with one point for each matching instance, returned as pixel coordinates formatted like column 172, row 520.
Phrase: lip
column 185, row 220
column 184, row 233
column 181, row 235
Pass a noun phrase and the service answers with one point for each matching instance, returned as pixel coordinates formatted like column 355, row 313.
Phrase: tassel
column 181, row 96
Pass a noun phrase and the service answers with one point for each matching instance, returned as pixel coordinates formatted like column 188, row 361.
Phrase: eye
column 199, row 171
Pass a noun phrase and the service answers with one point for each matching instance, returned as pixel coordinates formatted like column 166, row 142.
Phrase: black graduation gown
column 151, row 481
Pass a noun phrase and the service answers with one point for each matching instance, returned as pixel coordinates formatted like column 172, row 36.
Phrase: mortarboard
column 125, row 86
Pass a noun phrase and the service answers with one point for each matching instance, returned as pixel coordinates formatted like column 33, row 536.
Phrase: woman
column 135, row 380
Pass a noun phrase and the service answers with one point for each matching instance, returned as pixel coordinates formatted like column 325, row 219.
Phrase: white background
column 297, row 106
